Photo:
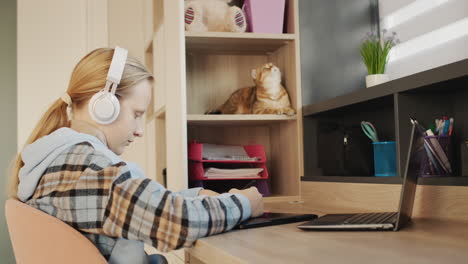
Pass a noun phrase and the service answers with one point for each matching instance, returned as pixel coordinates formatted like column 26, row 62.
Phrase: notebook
column 380, row 221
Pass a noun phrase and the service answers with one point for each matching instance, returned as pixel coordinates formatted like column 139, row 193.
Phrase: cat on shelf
column 268, row 96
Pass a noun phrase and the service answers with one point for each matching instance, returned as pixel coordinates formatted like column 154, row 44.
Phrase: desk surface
column 422, row 241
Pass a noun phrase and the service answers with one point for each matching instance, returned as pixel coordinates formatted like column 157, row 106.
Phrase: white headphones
column 104, row 106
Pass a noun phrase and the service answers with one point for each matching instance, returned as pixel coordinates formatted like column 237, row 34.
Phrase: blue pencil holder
column 385, row 158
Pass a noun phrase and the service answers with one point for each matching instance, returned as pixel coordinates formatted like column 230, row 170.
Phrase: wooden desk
column 438, row 234
column 422, row 241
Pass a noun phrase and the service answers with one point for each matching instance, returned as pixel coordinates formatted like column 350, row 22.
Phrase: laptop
column 380, row 221
column 269, row 219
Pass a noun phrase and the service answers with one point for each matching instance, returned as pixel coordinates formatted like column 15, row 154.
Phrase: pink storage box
column 264, row 16
column 196, row 166
column 196, row 162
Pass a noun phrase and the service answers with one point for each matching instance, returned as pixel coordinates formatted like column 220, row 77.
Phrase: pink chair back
column 41, row 238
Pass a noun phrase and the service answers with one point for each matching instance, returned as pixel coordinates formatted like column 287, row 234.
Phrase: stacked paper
column 225, row 152
column 233, row 173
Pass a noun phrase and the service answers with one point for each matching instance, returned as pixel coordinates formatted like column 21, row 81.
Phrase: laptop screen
column 410, row 176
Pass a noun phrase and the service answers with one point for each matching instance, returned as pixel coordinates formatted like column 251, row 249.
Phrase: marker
column 451, row 126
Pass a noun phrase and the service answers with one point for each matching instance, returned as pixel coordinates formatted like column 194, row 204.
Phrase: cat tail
column 213, row 112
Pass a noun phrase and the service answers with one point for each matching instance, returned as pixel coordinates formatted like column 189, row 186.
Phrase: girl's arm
column 138, row 173
column 141, row 209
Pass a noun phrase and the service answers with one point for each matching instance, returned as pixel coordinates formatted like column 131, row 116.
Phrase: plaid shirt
column 102, row 200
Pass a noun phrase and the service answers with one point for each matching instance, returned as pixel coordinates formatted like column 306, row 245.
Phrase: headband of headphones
column 104, row 107
column 117, row 65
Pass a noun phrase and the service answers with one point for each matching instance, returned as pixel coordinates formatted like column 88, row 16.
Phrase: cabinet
column 195, row 72
column 425, row 96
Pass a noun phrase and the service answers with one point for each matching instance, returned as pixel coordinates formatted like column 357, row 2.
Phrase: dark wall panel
column 331, row 32
column 8, row 113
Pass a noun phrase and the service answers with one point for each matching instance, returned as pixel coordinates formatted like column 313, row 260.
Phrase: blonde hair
column 88, row 78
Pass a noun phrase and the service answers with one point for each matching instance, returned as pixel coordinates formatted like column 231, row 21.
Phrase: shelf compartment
column 198, row 166
column 432, row 103
column 195, row 156
column 325, row 153
column 237, row 119
column 213, row 77
column 235, row 42
column 279, row 142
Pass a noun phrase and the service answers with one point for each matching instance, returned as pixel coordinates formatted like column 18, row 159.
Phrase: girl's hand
column 255, row 198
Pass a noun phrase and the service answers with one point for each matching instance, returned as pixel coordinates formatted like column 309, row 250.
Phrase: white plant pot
column 374, row 79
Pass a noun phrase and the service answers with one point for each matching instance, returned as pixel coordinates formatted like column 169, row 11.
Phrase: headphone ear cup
column 104, row 107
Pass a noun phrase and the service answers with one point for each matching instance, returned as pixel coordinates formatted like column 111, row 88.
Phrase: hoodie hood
column 39, row 155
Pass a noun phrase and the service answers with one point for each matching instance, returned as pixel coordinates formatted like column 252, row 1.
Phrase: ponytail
column 55, row 118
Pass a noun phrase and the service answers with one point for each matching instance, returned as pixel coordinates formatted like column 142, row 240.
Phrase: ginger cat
column 268, row 96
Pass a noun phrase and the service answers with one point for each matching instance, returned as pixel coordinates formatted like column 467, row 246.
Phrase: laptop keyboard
column 372, row 218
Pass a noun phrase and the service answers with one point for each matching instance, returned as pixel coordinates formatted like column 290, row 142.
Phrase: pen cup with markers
column 384, row 158
column 430, row 166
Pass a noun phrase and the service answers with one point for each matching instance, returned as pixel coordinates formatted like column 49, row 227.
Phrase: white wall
column 52, row 36
column 125, row 19
column 432, row 33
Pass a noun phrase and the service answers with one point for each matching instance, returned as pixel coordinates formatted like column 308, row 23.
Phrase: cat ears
column 253, row 73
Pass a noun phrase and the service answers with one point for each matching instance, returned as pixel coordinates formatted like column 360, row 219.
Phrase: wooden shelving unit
column 196, row 72
column 424, row 96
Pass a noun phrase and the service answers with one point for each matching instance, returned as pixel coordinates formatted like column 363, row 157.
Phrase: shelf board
column 230, row 161
column 237, row 119
column 234, row 178
column 160, row 113
column 236, row 42
column 149, row 46
column 423, row 81
column 446, row 181
column 354, row 179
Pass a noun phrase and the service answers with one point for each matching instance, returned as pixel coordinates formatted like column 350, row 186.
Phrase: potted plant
column 374, row 53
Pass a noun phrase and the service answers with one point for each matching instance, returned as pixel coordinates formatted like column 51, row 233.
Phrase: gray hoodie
column 38, row 156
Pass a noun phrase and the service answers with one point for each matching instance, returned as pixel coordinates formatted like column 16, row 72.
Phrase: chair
column 41, row 238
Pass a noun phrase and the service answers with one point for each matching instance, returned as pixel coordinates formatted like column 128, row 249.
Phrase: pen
column 439, row 124
column 446, row 127
column 451, row 126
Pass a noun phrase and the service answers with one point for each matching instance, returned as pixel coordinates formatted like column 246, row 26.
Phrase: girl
column 70, row 168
